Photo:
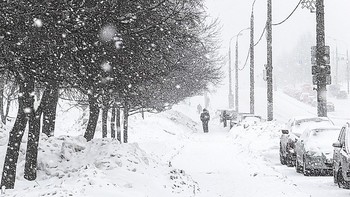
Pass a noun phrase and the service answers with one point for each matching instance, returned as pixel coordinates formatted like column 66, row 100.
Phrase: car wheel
column 298, row 167
column 335, row 175
column 341, row 182
column 282, row 158
column 306, row 171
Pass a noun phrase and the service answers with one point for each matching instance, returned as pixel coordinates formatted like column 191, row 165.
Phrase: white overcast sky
column 234, row 15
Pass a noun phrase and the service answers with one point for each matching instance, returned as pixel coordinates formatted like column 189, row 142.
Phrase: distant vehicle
column 246, row 119
column 290, row 135
column 341, row 155
column 314, row 102
column 330, row 107
column 305, row 98
column 334, row 89
column 314, row 152
column 342, row 95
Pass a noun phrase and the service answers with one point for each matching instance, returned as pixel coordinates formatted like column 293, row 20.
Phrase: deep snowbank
column 70, row 166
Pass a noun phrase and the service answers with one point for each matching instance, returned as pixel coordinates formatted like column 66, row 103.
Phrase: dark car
column 290, row 135
column 314, row 150
column 341, row 158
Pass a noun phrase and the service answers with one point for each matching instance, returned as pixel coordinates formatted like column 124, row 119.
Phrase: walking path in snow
column 224, row 168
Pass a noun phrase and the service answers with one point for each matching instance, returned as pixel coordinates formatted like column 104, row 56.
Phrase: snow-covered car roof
column 310, row 118
column 302, row 125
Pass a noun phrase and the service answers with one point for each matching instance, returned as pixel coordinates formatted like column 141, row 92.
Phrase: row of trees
column 142, row 55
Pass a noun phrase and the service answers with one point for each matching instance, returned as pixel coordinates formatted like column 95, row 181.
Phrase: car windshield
column 320, row 140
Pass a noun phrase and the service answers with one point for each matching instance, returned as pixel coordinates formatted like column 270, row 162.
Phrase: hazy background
column 290, row 38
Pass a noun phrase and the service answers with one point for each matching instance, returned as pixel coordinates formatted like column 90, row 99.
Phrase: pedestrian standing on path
column 205, row 117
column 199, row 108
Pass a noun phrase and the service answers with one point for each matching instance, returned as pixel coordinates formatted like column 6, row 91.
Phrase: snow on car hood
column 320, row 142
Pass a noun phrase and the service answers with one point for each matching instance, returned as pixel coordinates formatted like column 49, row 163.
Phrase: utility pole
column 230, row 96
column 252, row 62
column 320, row 60
column 336, row 65
column 236, row 77
column 347, row 69
column 269, row 62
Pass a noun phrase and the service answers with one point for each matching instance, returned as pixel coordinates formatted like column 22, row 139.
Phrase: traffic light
column 321, row 73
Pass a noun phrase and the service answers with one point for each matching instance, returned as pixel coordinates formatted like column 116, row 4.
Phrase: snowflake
column 38, row 22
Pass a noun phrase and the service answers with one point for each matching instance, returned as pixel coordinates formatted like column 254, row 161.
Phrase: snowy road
column 224, row 165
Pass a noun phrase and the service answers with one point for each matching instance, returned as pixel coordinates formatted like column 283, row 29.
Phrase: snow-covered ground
column 169, row 155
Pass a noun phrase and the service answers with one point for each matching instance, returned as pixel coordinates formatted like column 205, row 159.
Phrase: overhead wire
column 296, row 7
column 263, row 32
column 246, row 61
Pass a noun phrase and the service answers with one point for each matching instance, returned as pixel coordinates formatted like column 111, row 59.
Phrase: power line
column 289, row 15
column 260, row 36
column 246, row 61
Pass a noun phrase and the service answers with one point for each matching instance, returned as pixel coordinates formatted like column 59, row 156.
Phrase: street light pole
column 236, row 76
column 336, row 64
column 252, row 62
column 347, row 69
column 230, row 96
column 269, row 62
column 236, row 71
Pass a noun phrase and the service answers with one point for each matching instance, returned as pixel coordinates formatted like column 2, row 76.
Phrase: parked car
column 330, row 107
column 341, row 158
column 314, row 152
column 292, row 132
column 305, row 98
column 246, row 119
column 342, row 95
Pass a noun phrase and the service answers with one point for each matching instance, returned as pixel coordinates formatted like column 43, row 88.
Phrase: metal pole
column 252, row 63
column 336, row 64
column 269, row 62
column 236, row 77
column 320, row 62
column 230, row 96
column 347, row 69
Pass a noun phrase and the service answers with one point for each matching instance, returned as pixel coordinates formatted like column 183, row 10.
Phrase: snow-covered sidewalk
column 244, row 162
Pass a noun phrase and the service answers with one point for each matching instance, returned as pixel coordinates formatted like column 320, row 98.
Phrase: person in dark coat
column 205, row 117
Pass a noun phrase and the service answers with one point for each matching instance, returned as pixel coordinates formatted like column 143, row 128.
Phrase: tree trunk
column 113, row 123
column 48, row 100
column 49, row 111
column 104, row 117
column 2, row 86
column 9, row 170
column 93, row 118
column 126, row 118
column 32, row 147
column 119, row 135
column 8, row 102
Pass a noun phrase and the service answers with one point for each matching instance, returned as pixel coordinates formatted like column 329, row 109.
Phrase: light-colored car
column 245, row 120
column 292, row 132
column 314, row 151
column 341, row 158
